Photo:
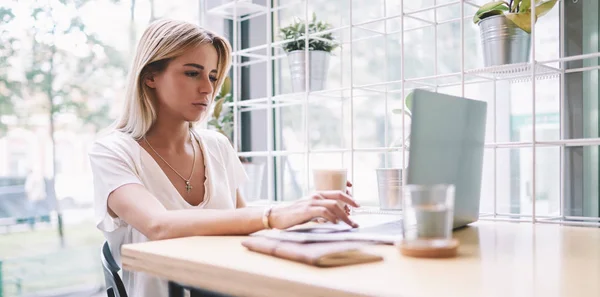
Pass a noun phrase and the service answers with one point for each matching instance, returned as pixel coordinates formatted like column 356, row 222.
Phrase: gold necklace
column 188, row 186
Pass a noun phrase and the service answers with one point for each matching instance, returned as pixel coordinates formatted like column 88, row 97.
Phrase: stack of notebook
column 325, row 253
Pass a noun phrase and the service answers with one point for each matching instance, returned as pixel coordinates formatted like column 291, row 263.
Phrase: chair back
column 114, row 284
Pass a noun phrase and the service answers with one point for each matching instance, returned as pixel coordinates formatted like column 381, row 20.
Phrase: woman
column 155, row 178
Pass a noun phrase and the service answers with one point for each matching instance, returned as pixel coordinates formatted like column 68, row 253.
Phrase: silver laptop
column 446, row 147
column 447, row 138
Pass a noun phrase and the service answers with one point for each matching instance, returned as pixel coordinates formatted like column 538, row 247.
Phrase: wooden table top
column 495, row 259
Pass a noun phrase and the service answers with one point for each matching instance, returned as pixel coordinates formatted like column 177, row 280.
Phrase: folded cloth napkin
column 328, row 254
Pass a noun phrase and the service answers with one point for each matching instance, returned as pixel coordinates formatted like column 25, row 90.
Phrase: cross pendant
column 188, row 187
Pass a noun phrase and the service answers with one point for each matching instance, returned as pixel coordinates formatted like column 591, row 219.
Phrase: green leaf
column 525, row 5
column 226, row 87
column 543, row 8
column 491, row 13
column 228, row 117
column 408, row 103
column 218, row 108
column 296, row 33
column 496, row 5
column 522, row 20
column 515, row 6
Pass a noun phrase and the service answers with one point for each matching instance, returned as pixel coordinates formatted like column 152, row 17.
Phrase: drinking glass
column 428, row 212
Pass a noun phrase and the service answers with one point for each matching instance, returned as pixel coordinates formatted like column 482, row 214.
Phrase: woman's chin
column 195, row 117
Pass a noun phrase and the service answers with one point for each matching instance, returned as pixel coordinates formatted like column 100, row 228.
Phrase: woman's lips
column 200, row 105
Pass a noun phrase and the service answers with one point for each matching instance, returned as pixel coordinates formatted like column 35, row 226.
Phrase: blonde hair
column 161, row 42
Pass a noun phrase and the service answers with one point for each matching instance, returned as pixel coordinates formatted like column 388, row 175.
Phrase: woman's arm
column 136, row 206
column 240, row 202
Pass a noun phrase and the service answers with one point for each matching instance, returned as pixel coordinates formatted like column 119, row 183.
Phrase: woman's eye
column 213, row 79
column 191, row 73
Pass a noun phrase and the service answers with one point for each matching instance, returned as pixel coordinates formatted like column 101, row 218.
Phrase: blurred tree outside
column 9, row 88
column 57, row 67
column 63, row 71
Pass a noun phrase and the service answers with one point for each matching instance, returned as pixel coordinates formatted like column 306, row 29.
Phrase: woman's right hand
column 318, row 205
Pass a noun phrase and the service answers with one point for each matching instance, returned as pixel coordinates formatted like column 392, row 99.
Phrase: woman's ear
column 149, row 80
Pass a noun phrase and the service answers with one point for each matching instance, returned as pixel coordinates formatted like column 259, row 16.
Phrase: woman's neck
column 170, row 135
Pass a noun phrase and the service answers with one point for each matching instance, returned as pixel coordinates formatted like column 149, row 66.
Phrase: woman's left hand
column 346, row 207
column 348, row 186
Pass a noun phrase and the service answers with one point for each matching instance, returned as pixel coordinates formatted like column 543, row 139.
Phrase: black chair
column 114, row 284
column 116, row 288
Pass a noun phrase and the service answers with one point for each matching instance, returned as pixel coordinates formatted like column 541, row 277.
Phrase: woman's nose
column 206, row 86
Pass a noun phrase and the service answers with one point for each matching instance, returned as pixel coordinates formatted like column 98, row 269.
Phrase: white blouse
column 117, row 159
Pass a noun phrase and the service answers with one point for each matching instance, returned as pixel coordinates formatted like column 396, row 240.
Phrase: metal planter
column 318, row 66
column 503, row 42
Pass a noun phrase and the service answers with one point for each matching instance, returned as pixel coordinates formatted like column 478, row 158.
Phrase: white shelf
column 248, row 52
column 276, row 153
column 242, row 10
column 236, row 9
column 291, row 99
column 505, row 145
column 578, row 142
column 515, row 72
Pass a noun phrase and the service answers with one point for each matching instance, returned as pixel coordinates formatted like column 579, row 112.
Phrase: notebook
column 323, row 254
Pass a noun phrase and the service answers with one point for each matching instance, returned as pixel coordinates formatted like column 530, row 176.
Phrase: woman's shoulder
column 211, row 137
column 115, row 141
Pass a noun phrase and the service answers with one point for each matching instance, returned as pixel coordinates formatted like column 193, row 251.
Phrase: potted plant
column 222, row 116
column 407, row 108
column 222, row 121
column 319, row 51
column 505, row 29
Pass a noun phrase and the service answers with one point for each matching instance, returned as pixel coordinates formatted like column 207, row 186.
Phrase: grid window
column 538, row 117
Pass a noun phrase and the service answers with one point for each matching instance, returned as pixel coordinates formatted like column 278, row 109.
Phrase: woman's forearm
column 195, row 222
column 136, row 206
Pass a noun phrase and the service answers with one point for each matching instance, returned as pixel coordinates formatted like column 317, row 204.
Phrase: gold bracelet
column 265, row 217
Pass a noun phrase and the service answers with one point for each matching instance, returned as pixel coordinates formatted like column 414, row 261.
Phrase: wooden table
column 496, row 259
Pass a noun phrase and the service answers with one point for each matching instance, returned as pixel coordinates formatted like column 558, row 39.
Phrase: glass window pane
column 63, row 72
column 291, row 176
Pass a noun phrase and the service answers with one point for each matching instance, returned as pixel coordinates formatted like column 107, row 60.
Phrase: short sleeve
column 112, row 167
column 235, row 167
